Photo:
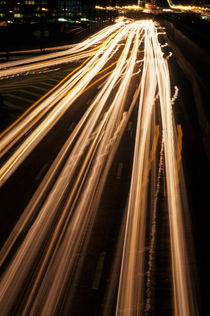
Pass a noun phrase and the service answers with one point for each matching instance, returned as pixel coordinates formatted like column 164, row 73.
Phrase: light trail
column 131, row 286
column 184, row 301
column 130, row 293
column 77, row 52
column 189, row 7
column 149, row 282
column 99, row 139
column 59, row 102
column 57, row 223
column 38, row 50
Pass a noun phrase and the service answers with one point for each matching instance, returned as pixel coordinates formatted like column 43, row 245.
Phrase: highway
column 96, row 168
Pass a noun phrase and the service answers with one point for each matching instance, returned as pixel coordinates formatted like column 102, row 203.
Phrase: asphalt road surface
column 97, row 215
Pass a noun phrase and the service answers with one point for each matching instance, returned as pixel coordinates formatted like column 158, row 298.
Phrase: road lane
column 57, row 224
column 59, row 102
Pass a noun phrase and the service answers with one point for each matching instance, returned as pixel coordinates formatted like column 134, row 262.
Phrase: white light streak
column 63, row 215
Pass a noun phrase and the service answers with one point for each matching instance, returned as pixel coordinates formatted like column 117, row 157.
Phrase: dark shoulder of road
column 190, row 71
column 192, row 112
column 18, row 37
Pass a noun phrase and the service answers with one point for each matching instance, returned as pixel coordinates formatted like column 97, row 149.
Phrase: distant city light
column 127, row 7
column 84, row 19
column 69, row 21
column 187, row 7
column 139, row 8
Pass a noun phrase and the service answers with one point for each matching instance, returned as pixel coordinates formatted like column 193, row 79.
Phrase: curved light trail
column 59, row 102
column 65, row 204
column 131, row 288
column 188, row 7
column 77, row 52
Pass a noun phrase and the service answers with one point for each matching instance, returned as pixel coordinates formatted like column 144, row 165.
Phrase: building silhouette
column 27, row 11
column 32, row 11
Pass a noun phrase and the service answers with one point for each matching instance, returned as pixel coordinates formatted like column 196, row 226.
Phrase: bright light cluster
column 128, row 7
column 171, row 4
column 49, row 239
column 187, row 8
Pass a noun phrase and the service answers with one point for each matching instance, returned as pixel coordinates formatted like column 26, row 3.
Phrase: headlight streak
column 23, row 124
column 79, row 51
column 151, row 257
column 65, row 205
column 130, row 292
column 131, row 287
column 183, row 287
column 106, row 136
column 68, row 93
column 32, row 69
column 18, row 131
